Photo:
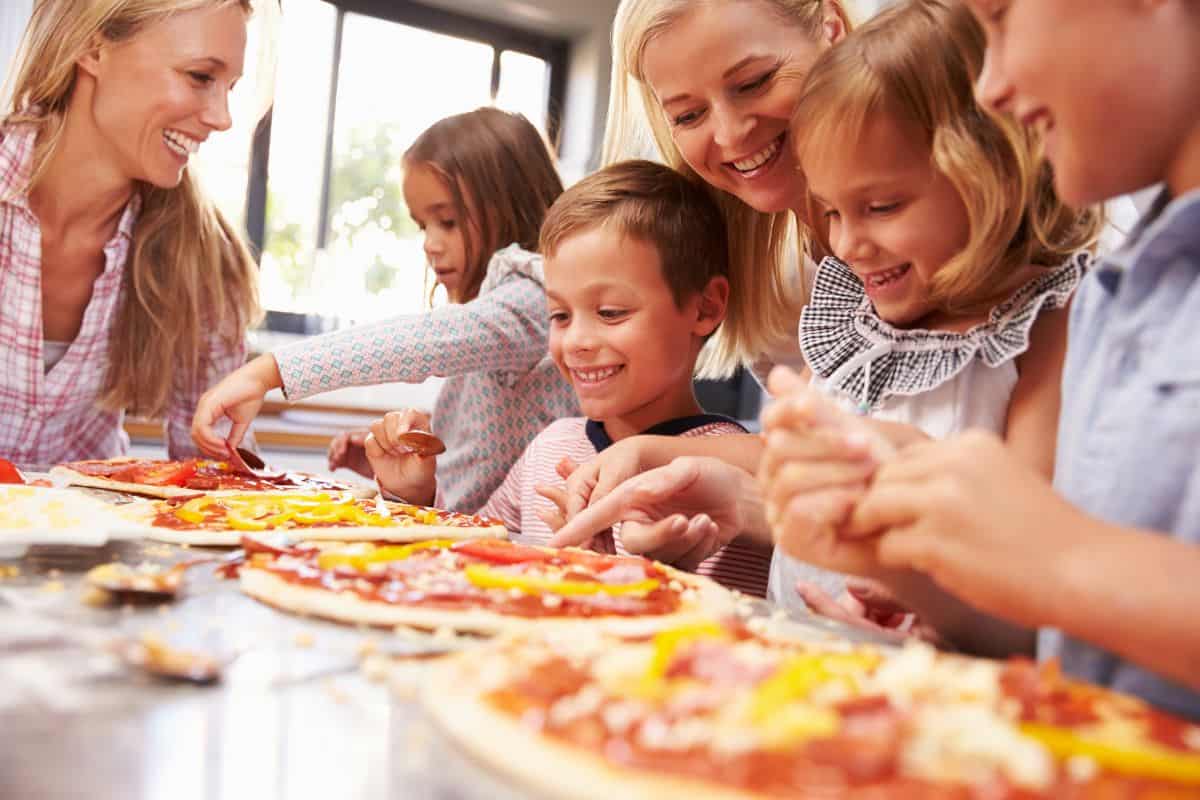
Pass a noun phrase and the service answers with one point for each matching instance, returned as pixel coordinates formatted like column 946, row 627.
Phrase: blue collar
column 672, row 427
column 1162, row 212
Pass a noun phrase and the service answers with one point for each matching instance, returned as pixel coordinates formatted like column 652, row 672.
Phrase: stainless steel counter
column 293, row 718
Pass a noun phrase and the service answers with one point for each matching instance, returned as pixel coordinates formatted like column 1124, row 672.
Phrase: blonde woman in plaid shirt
column 122, row 287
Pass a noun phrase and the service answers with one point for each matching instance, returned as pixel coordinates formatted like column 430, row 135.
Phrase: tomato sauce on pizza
column 718, row 706
column 200, row 475
column 481, row 574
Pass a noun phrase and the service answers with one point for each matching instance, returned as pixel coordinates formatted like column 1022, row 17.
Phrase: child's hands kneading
column 978, row 521
column 399, row 471
column 816, row 467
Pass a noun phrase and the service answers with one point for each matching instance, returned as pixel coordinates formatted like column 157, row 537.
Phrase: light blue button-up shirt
column 1129, row 430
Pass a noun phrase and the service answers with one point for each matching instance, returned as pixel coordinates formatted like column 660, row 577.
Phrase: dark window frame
column 553, row 50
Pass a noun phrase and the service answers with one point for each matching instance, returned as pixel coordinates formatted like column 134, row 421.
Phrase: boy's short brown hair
column 655, row 204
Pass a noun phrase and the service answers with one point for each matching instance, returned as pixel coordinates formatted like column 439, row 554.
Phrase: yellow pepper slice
column 797, row 677
column 487, row 578
column 193, row 510
column 244, row 522
column 668, row 643
column 361, row 560
column 798, row 722
column 1146, row 759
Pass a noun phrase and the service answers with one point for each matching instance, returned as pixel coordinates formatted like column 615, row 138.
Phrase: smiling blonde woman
column 124, row 288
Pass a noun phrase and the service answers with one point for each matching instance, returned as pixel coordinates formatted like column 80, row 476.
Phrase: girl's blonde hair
column 763, row 304
column 917, row 61
column 189, row 273
column 501, row 177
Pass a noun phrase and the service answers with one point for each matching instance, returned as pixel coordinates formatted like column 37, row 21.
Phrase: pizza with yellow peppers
column 716, row 711
column 222, row 519
column 480, row 586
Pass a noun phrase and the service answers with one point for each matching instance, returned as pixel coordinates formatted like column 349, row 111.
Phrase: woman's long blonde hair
column 917, row 62
column 764, row 304
column 189, row 275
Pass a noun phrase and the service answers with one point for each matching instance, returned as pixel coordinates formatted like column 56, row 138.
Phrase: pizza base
column 543, row 766
column 348, row 607
column 70, row 477
column 355, row 533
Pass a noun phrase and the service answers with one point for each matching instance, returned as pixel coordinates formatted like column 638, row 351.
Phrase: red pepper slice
column 499, row 551
column 9, row 472
column 599, row 562
column 172, row 473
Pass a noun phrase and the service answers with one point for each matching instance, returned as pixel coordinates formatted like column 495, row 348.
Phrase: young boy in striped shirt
column 636, row 264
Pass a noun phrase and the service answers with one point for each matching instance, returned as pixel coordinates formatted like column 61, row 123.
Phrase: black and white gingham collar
column 864, row 358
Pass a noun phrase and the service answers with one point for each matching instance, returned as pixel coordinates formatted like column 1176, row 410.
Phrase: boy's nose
column 992, row 88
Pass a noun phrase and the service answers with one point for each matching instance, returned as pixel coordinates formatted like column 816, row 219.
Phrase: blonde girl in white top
column 944, row 307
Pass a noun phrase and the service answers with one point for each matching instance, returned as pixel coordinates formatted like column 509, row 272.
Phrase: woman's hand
column 398, row 470
column 348, row 449
column 238, row 397
column 680, row 513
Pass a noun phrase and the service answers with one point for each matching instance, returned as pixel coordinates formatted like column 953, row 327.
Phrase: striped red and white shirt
column 516, row 501
column 51, row 417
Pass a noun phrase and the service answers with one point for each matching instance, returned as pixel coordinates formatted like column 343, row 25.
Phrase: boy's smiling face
column 617, row 334
column 1110, row 85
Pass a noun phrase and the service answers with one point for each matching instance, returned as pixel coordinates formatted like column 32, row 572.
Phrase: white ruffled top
column 939, row 381
column 942, row 382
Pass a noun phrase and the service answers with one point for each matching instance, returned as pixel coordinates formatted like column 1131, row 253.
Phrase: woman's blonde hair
column 189, row 275
column 484, row 156
column 764, row 304
column 917, row 62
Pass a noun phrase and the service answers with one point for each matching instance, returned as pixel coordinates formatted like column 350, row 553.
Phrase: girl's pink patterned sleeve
column 505, row 329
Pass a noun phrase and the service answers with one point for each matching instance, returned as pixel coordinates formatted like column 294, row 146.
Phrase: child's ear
column 711, row 305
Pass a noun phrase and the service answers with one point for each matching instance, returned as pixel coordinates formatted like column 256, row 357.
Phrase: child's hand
column 238, row 396
column 399, row 471
column 556, row 516
column 680, row 513
column 975, row 519
column 868, row 605
column 589, row 482
column 348, row 450
column 816, row 466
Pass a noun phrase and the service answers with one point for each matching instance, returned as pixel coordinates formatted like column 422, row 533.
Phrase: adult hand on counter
column 238, row 397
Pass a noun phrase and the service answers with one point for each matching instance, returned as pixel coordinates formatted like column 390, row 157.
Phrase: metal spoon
column 149, row 583
column 248, row 461
column 152, row 654
column 422, row 443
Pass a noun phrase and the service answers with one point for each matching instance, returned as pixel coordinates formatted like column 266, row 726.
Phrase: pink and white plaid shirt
column 48, row 418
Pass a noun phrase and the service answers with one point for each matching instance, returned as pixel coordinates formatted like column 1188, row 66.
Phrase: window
column 356, row 82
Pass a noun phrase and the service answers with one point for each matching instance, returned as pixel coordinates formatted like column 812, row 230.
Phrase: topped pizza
column 481, row 586
column 162, row 478
column 222, row 519
column 715, row 711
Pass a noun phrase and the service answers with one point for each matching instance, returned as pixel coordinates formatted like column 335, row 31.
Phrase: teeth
column 180, row 143
column 886, row 276
column 595, row 375
column 758, row 159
